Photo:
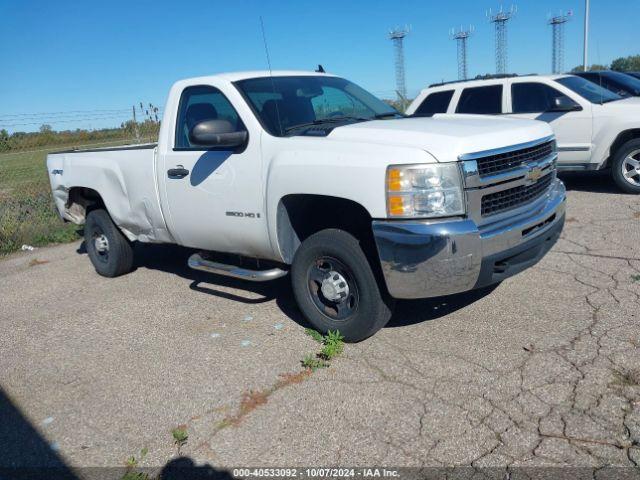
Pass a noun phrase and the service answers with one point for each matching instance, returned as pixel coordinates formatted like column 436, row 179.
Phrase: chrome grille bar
column 519, row 185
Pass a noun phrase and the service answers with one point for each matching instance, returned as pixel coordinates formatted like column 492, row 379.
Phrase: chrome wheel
column 631, row 168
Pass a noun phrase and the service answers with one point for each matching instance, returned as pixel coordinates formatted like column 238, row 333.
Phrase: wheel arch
column 622, row 138
column 301, row 215
column 81, row 201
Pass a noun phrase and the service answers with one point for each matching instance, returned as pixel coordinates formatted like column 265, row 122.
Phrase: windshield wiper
column 324, row 120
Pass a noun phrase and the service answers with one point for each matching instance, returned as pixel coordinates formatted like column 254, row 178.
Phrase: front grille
column 503, row 162
column 514, row 197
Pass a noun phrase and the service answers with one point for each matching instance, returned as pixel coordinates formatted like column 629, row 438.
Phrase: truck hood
column 628, row 106
column 445, row 136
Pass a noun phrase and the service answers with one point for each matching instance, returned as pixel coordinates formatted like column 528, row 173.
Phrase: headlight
column 424, row 190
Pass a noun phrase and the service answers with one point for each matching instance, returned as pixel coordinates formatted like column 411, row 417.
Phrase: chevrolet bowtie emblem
column 534, row 174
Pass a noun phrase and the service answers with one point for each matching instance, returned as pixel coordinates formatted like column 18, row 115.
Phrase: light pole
column 586, row 35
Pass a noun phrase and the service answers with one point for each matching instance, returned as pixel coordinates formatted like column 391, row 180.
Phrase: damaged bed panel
column 119, row 179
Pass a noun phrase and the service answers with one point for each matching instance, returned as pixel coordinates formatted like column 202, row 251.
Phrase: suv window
column 436, row 102
column 533, row 97
column 198, row 104
column 485, row 100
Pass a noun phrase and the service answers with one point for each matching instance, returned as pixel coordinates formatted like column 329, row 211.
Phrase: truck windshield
column 589, row 90
column 290, row 105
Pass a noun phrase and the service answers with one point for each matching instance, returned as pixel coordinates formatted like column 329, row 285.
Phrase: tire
column 110, row 252
column 625, row 159
column 357, row 310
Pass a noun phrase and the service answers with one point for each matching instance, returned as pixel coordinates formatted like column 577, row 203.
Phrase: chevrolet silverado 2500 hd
column 308, row 174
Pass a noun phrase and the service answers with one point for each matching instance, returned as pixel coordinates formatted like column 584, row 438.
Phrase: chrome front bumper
column 433, row 258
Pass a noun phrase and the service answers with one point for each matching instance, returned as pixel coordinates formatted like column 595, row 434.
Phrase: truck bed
column 124, row 177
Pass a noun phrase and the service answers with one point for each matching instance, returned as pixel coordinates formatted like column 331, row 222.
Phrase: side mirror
column 564, row 104
column 217, row 133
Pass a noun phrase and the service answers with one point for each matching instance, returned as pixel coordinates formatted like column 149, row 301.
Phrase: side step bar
column 198, row 263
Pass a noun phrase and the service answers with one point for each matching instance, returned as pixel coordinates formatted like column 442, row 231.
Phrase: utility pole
column 135, row 124
column 557, row 42
column 461, row 37
column 586, row 36
column 397, row 37
column 500, row 19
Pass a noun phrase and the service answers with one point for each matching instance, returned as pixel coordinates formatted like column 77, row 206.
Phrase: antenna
column 500, row 19
column 461, row 37
column 557, row 41
column 273, row 84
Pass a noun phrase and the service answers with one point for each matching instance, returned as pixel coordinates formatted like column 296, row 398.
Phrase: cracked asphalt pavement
column 543, row 370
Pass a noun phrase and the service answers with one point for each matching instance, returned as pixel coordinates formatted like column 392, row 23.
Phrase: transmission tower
column 557, row 47
column 500, row 19
column 397, row 37
column 461, row 37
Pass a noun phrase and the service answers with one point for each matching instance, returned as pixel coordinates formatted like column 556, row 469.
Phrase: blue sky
column 60, row 56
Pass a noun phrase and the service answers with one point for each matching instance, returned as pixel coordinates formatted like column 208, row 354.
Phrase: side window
column 198, row 104
column 436, row 102
column 484, row 100
column 533, row 97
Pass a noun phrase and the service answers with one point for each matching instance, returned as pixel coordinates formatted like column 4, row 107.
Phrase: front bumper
column 433, row 258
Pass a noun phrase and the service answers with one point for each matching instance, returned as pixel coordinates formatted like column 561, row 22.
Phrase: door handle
column 178, row 172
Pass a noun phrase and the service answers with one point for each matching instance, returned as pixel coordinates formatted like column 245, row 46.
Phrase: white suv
column 595, row 128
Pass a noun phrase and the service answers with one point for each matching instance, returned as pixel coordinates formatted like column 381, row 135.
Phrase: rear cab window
column 436, row 102
column 481, row 100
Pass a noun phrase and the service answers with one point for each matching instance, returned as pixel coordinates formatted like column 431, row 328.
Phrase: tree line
column 46, row 136
column 622, row 64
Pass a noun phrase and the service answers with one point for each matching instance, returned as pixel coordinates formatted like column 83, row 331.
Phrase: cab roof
column 236, row 76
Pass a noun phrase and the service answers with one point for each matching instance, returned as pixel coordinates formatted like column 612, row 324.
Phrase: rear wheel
column 335, row 287
column 110, row 252
column 625, row 167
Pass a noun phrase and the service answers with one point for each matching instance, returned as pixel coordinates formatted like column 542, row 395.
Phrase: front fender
column 356, row 174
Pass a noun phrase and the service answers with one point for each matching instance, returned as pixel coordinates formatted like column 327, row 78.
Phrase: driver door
column 213, row 194
column 535, row 101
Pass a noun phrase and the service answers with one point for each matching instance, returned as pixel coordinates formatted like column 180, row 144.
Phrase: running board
column 198, row 263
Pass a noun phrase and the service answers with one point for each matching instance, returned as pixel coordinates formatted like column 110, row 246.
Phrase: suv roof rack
column 488, row 76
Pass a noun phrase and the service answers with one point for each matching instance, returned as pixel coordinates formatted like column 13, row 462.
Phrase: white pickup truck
column 309, row 174
column 594, row 127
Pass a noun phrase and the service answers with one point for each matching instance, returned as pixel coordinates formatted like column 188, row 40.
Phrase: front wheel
column 625, row 167
column 109, row 250
column 335, row 287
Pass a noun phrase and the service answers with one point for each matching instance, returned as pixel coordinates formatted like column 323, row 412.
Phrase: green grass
column 27, row 212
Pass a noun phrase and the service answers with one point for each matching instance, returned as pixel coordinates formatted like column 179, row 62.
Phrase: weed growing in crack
column 317, row 336
column 312, row 363
column 635, row 278
column 132, row 463
column 332, row 346
column 180, row 436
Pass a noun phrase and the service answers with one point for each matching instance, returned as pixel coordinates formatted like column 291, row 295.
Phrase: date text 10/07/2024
column 315, row 472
